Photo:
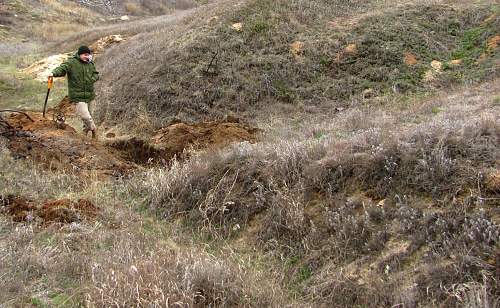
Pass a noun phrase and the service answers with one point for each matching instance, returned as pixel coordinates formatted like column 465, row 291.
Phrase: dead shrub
column 432, row 160
column 133, row 8
column 163, row 279
column 285, row 227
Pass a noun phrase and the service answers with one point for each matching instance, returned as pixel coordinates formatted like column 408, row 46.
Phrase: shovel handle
column 50, row 81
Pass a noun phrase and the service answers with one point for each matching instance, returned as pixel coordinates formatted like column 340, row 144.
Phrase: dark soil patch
column 63, row 211
column 138, row 151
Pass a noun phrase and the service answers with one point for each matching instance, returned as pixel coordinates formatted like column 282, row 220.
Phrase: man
column 82, row 75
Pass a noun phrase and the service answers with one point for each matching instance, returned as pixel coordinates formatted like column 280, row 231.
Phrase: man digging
column 82, row 75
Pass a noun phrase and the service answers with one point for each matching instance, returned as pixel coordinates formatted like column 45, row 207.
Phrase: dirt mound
column 177, row 137
column 102, row 44
column 60, row 147
column 36, row 122
column 62, row 211
column 53, row 144
column 57, row 146
column 65, row 106
column 43, row 68
column 173, row 141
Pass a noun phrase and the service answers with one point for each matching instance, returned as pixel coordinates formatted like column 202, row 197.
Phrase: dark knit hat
column 83, row 49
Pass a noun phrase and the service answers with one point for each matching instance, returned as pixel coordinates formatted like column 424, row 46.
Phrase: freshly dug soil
column 57, row 146
column 62, row 211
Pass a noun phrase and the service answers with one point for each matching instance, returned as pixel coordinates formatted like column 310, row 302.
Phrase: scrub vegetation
column 262, row 154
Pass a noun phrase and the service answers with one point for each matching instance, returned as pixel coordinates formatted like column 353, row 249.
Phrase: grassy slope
column 20, row 91
column 299, row 217
column 44, row 21
column 209, row 69
column 292, row 220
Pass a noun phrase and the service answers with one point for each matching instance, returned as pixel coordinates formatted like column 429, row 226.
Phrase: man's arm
column 61, row 70
column 95, row 74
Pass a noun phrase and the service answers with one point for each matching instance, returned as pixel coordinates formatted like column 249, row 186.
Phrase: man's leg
column 82, row 110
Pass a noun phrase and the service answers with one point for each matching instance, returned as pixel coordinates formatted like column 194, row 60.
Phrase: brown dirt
column 410, row 59
column 177, row 137
column 17, row 207
column 65, row 106
column 57, row 146
column 493, row 43
column 61, row 211
column 61, row 148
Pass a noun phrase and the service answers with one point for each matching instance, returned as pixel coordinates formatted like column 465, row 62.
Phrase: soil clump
column 62, row 211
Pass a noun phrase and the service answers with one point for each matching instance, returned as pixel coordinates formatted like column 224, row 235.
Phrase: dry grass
column 146, row 275
column 53, row 31
column 202, row 68
column 315, row 205
column 46, row 21
column 125, row 258
column 385, row 203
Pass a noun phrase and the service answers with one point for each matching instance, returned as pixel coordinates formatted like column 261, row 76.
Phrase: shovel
column 50, row 81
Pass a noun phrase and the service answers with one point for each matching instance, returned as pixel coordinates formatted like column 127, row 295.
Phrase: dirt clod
column 65, row 107
column 493, row 43
column 61, row 211
column 410, row 59
column 17, row 207
column 493, row 182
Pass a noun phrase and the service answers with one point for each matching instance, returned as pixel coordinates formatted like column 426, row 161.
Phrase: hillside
column 53, row 20
column 296, row 55
column 260, row 154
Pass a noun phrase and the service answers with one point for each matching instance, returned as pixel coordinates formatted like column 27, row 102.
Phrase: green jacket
column 81, row 78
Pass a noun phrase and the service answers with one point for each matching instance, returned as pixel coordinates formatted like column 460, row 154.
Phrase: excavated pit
column 138, row 151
